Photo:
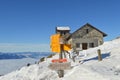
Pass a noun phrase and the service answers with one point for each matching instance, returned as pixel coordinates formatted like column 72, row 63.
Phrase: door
column 84, row 46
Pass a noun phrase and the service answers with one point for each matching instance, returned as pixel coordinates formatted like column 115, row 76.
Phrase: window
column 91, row 45
column 87, row 30
column 62, row 32
column 77, row 45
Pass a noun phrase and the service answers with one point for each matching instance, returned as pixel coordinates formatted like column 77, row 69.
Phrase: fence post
column 99, row 55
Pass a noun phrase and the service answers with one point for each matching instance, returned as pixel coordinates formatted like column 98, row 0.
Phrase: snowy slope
column 91, row 69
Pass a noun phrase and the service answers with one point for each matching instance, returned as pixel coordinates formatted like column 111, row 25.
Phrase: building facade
column 86, row 37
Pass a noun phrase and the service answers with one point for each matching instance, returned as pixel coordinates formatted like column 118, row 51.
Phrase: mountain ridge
column 21, row 55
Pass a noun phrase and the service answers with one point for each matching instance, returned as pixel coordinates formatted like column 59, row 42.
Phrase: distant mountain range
column 20, row 55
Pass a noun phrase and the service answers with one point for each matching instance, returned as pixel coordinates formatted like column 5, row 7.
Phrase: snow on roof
column 63, row 28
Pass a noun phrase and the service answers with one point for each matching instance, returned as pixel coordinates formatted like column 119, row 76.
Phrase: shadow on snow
column 96, row 58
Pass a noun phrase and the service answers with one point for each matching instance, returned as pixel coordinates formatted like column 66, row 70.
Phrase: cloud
column 21, row 47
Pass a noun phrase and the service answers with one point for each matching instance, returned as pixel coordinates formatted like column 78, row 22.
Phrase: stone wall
column 87, row 35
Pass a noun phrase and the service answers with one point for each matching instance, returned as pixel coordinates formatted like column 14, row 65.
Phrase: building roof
column 63, row 28
column 87, row 24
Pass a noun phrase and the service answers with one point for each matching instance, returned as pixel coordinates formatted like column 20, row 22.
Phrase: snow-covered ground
column 90, row 69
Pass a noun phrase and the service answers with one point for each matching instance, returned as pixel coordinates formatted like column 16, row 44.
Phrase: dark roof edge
column 104, row 34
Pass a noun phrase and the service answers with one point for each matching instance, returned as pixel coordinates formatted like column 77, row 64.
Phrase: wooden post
column 99, row 55
column 61, row 51
column 61, row 72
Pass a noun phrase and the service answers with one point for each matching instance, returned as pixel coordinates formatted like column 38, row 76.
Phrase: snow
column 63, row 28
column 90, row 69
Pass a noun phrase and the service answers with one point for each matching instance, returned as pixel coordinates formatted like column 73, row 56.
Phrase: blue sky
column 31, row 22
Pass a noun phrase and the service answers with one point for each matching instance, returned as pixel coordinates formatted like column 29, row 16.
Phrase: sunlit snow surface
column 90, row 69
